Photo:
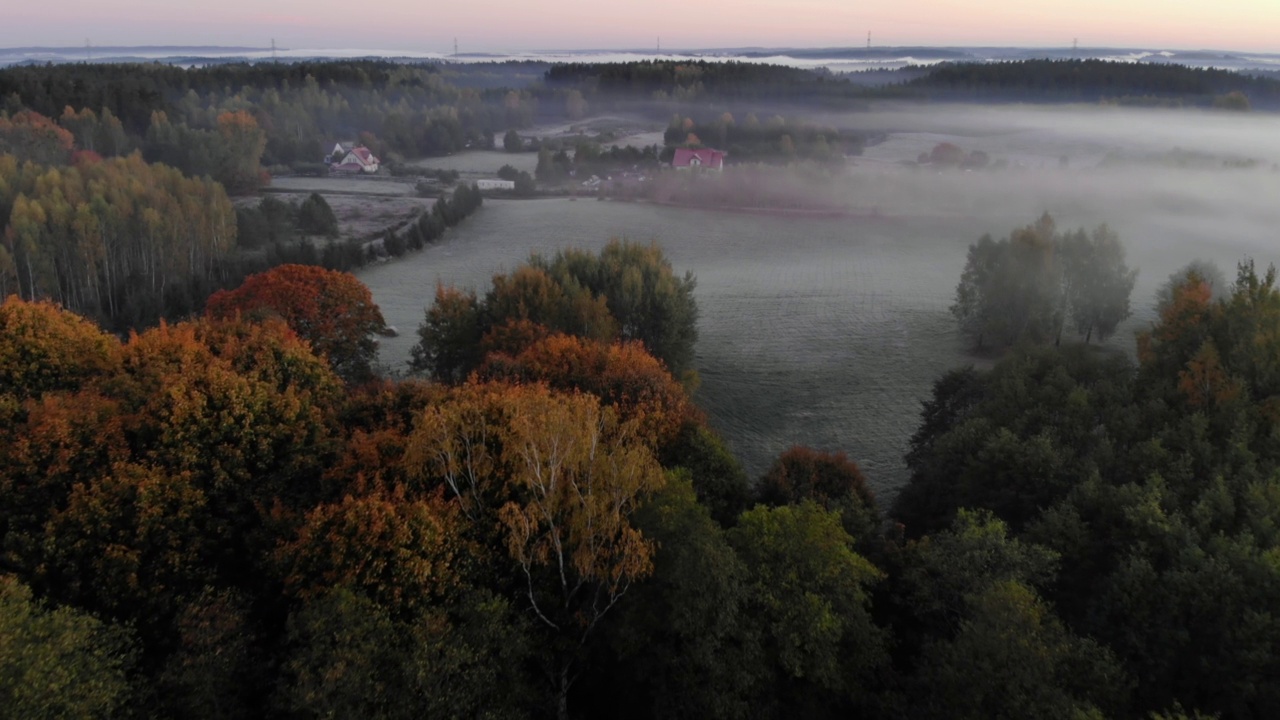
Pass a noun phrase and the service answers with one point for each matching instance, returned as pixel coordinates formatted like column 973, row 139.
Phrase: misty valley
column 648, row 389
column 830, row 331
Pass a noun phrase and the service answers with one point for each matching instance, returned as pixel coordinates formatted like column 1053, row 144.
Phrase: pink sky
column 495, row 25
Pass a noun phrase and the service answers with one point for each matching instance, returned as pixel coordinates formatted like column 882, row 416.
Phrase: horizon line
column 641, row 49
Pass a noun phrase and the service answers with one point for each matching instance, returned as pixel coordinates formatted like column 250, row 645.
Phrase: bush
column 307, row 169
column 315, row 217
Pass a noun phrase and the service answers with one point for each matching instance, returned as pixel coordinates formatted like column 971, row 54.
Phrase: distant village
column 349, row 159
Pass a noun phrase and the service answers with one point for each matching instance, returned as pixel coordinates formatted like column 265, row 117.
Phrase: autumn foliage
column 32, row 137
column 329, row 309
column 622, row 375
column 45, row 348
column 115, row 240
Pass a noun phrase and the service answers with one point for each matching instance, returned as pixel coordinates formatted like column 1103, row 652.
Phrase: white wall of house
column 352, row 158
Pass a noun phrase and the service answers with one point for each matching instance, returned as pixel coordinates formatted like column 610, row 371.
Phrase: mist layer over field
column 830, row 332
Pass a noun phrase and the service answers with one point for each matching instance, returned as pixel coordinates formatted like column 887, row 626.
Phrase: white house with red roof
column 700, row 159
column 350, row 158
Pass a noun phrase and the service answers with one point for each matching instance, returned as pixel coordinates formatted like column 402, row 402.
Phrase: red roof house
column 701, row 159
column 358, row 157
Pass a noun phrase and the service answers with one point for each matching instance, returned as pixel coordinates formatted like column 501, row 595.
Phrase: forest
column 1053, row 81
column 287, row 114
column 1094, row 81
column 229, row 516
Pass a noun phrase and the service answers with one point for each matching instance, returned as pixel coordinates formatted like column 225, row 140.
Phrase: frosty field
column 822, row 332
column 830, row 332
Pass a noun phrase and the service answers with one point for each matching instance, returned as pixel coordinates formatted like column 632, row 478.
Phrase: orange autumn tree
column 560, row 477
column 622, row 375
column 136, row 475
column 331, row 310
column 33, row 137
column 243, row 144
column 44, row 348
column 400, row 550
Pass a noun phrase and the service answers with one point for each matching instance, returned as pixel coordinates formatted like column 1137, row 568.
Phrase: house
column 339, row 151
column 701, row 159
column 496, row 184
column 348, row 158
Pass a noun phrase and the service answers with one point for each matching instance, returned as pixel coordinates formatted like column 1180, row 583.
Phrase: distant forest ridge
column 133, row 92
column 836, row 59
column 1022, row 80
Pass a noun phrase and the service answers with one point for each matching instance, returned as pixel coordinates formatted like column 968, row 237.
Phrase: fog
column 1171, row 182
column 828, row 329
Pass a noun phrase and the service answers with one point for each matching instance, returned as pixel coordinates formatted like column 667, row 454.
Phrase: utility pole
column 273, row 51
column 1075, row 47
column 88, row 50
column 455, row 46
column 868, row 39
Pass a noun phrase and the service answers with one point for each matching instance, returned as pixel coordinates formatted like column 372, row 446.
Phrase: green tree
column 1012, row 658
column 448, row 345
column 1097, row 282
column 1025, row 287
column 831, row 480
column 680, row 647
column 511, row 142
column 58, row 663
column 351, row 657
column 808, row 594
column 315, row 217
column 1014, row 440
column 932, row 579
column 718, row 477
column 650, row 302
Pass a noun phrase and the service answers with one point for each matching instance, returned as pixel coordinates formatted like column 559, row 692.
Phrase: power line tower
column 274, row 59
column 868, row 39
column 455, row 46
column 88, row 50
column 1075, row 48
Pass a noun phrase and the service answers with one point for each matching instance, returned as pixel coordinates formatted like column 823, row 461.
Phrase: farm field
column 364, row 216
column 480, row 163
column 362, row 186
column 820, row 332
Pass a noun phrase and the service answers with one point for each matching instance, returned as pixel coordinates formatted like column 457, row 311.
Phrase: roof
column 706, row 157
column 362, row 153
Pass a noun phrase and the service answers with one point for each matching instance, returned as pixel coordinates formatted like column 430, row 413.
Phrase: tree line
column 178, row 115
column 1038, row 282
column 1093, row 81
column 128, row 242
column 114, row 239
column 1149, row 487
column 205, row 521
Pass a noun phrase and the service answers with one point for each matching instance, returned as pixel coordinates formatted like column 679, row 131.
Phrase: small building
column 496, row 184
column 700, row 159
column 351, row 158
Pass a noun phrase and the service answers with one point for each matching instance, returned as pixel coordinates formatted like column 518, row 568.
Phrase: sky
column 510, row 25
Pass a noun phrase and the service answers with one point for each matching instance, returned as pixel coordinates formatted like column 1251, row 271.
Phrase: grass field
column 830, row 332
